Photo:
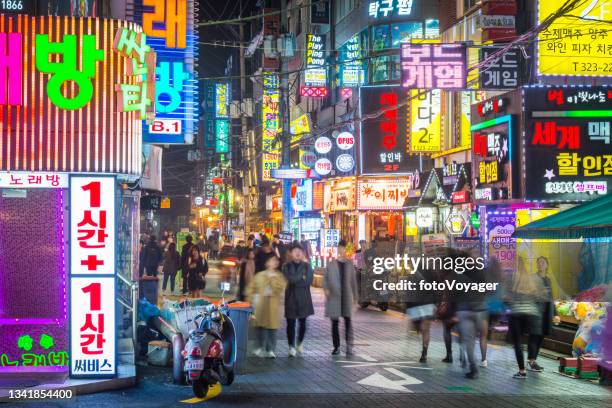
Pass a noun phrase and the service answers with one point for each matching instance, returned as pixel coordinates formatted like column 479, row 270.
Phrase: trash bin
column 239, row 312
column 149, row 286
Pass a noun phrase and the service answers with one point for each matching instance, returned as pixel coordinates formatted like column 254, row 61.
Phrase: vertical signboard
column 383, row 136
column 351, row 69
column 93, row 350
column 316, row 72
column 500, row 245
column 222, row 128
column 270, row 125
column 425, row 122
column 169, row 26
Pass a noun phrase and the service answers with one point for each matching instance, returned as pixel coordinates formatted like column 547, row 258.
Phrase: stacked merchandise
column 587, row 368
column 568, row 365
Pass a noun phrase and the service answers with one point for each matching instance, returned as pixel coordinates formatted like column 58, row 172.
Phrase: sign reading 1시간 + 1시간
column 92, row 276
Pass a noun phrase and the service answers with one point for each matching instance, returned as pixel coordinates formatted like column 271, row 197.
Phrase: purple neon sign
column 434, row 66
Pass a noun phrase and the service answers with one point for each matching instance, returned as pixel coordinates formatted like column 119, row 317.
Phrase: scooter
column 210, row 352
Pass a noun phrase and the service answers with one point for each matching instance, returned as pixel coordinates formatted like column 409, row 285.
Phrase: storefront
column 339, row 207
column 306, row 222
column 64, row 157
column 380, row 204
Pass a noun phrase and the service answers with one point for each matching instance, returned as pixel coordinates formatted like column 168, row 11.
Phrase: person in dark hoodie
column 262, row 254
column 152, row 256
column 298, row 301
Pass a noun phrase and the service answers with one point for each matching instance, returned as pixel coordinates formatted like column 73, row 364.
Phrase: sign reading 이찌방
column 383, row 194
column 577, row 43
column 92, row 276
column 568, row 151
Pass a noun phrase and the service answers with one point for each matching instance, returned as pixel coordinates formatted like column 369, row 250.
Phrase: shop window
column 432, row 28
column 380, row 69
column 404, row 32
column 381, row 37
column 395, row 66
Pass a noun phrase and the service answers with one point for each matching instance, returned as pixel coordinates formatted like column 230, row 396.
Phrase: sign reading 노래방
column 92, row 276
column 567, row 149
column 577, row 43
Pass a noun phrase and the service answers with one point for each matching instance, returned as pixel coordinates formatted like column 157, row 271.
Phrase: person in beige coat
column 265, row 292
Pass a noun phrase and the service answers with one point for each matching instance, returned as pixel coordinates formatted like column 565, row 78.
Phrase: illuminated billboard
column 270, row 125
column 74, row 103
column 169, row 26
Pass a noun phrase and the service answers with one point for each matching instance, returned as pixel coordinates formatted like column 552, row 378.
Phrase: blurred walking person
column 265, row 293
column 197, row 268
column 185, row 252
column 247, row 271
column 298, row 300
column 152, row 256
column 340, row 285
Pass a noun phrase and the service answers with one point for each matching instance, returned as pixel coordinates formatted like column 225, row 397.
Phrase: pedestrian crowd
column 272, row 273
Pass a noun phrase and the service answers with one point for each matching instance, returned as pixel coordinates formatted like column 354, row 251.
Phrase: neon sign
column 388, row 8
column 222, row 136
column 169, row 26
column 62, row 104
column 92, row 276
column 221, row 100
column 11, row 71
column 316, row 73
column 425, row 122
column 428, row 66
column 270, row 125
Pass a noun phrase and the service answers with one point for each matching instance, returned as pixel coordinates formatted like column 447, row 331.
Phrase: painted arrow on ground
column 380, row 381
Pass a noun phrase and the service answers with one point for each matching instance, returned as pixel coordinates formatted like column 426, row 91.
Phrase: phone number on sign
column 40, row 394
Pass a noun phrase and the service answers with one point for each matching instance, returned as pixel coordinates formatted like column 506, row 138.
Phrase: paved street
column 383, row 373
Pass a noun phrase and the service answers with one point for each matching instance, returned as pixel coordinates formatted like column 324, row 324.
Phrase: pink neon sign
column 10, row 68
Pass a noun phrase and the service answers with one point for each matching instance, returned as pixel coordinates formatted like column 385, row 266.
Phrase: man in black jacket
column 152, row 256
column 185, row 251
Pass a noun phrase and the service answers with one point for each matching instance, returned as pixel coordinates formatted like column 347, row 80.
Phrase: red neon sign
column 388, row 126
column 548, row 133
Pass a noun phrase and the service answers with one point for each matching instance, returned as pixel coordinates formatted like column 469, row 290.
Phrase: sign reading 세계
column 92, row 276
column 577, row 43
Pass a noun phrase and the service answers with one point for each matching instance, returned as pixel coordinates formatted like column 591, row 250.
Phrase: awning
column 589, row 220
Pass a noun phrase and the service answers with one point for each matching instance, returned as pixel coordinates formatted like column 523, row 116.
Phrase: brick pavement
column 382, row 339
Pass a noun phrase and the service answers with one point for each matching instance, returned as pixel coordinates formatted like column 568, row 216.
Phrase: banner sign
column 568, row 154
column 92, row 276
column 502, row 72
column 24, row 179
column 434, row 66
column 170, row 29
column 270, row 125
column 500, row 244
column 425, row 122
column 383, row 194
column 316, row 72
column 383, row 139
column 352, row 67
column 577, row 43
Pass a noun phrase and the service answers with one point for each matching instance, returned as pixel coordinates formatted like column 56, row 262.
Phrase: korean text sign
column 316, row 72
column 500, row 243
column 169, row 26
column 383, row 138
column 425, row 122
column 383, row 194
column 502, row 72
column 68, row 93
column 568, row 151
column 92, row 276
column 429, row 66
column 577, row 43
column 270, row 125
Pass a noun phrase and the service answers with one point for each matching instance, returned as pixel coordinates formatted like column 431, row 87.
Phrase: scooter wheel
column 383, row 307
column 200, row 388
column 364, row 305
column 229, row 378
